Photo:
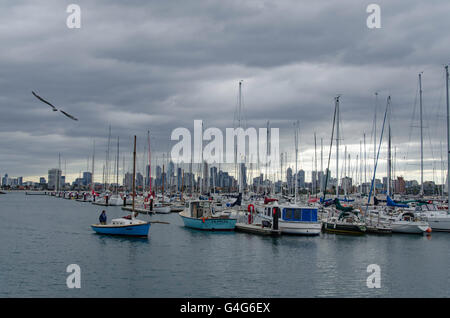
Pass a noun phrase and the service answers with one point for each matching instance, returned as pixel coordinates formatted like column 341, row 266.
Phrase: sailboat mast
column 360, row 167
column 315, row 165
column 337, row 147
column 296, row 161
column 388, row 190
column 149, row 164
column 93, row 165
column 375, row 138
column 421, row 135
column 117, row 163
column 134, row 175
column 345, row 171
column 365, row 162
column 448, row 135
column 321, row 164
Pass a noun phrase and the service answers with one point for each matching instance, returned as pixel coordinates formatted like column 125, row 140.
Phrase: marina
column 165, row 264
column 220, row 155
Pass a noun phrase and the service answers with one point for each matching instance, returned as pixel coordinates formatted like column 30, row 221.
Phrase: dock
column 256, row 229
column 34, row 193
column 144, row 211
column 100, row 203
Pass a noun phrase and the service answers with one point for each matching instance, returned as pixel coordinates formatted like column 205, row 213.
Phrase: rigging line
column 378, row 154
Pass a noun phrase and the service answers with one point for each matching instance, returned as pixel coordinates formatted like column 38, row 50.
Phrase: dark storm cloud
column 158, row 65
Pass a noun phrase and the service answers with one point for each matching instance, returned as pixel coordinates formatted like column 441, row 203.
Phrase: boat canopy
column 390, row 202
column 342, row 208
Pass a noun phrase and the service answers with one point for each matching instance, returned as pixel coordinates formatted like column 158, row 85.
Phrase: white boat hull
column 162, row 209
column 439, row 223
column 300, row 228
column 410, row 227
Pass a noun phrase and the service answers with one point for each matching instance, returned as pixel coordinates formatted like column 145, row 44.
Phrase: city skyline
column 292, row 74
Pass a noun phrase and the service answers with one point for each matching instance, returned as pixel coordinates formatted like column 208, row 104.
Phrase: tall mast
column 150, row 164
column 345, row 171
column 93, row 165
column 296, row 124
column 388, row 189
column 163, row 181
column 59, row 173
column 107, row 161
column 321, row 164
column 448, row 135
column 337, row 146
column 365, row 162
column 375, row 139
column 360, row 167
column 267, row 158
column 421, row 135
column 117, row 167
column 134, row 175
column 315, row 165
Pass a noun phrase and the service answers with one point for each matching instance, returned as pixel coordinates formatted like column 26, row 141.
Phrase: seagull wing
column 44, row 101
column 68, row 115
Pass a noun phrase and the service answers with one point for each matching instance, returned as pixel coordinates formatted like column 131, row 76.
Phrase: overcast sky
column 157, row 65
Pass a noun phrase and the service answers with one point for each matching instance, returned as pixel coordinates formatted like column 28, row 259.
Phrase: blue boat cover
column 390, row 202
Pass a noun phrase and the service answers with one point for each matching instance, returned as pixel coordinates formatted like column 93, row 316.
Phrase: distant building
column 5, row 180
column 289, row 179
column 301, row 179
column 54, row 179
column 128, row 181
column 139, row 180
column 400, row 185
column 87, row 178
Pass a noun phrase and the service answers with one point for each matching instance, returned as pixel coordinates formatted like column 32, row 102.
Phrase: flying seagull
column 53, row 107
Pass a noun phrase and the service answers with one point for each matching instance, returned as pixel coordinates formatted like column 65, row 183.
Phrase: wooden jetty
column 144, row 211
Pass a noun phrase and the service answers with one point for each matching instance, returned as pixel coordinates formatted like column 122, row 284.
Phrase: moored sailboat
column 129, row 225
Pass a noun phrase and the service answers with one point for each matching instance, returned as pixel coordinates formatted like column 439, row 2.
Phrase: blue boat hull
column 210, row 224
column 127, row 230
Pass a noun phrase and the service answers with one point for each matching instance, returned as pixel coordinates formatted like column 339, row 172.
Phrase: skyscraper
column 54, row 179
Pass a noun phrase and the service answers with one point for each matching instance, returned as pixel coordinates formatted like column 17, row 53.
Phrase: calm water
column 40, row 236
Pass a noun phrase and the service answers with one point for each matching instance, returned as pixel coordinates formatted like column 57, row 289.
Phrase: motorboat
column 199, row 214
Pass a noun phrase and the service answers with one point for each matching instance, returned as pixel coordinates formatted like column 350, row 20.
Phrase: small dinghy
column 128, row 226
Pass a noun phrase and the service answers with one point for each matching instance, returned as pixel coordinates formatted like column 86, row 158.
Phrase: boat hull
column 126, row 230
column 300, row 228
column 439, row 224
column 409, row 227
column 161, row 209
column 209, row 224
column 353, row 229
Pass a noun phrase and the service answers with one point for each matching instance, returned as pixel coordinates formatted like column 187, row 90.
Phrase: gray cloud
column 158, row 65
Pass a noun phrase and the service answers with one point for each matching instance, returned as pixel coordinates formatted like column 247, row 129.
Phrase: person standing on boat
column 102, row 217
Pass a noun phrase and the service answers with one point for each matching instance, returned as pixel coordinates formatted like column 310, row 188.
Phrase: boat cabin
column 199, row 209
column 294, row 214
